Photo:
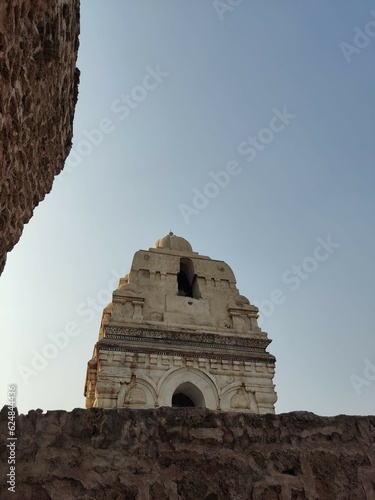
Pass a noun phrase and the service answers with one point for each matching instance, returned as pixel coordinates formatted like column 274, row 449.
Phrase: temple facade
column 178, row 333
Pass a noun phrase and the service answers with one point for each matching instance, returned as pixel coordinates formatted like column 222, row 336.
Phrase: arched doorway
column 187, row 395
column 194, row 383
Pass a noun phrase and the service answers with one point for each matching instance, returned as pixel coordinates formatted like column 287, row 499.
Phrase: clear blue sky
column 179, row 91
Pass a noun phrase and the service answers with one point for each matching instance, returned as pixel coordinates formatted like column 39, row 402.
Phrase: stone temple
column 178, row 333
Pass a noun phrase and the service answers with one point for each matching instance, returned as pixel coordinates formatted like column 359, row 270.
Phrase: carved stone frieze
column 201, row 339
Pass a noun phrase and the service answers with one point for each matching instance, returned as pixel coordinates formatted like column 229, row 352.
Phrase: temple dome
column 173, row 242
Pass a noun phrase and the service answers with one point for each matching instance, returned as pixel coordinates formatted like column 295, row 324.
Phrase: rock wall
column 38, row 92
column 190, row 453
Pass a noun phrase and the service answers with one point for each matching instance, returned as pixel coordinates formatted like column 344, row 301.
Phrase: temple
column 178, row 333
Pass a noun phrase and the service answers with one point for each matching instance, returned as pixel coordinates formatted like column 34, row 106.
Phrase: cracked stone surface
column 38, row 93
column 191, row 453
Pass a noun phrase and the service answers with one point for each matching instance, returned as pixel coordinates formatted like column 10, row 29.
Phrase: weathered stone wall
column 190, row 453
column 38, row 92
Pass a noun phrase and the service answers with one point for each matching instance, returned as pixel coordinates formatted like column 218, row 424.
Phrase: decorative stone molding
column 211, row 339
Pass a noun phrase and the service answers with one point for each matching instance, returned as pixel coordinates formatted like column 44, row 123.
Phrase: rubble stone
column 191, row 453
column 38, row 93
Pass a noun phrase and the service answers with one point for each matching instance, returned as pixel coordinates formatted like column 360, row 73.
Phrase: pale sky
column 280, row 96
